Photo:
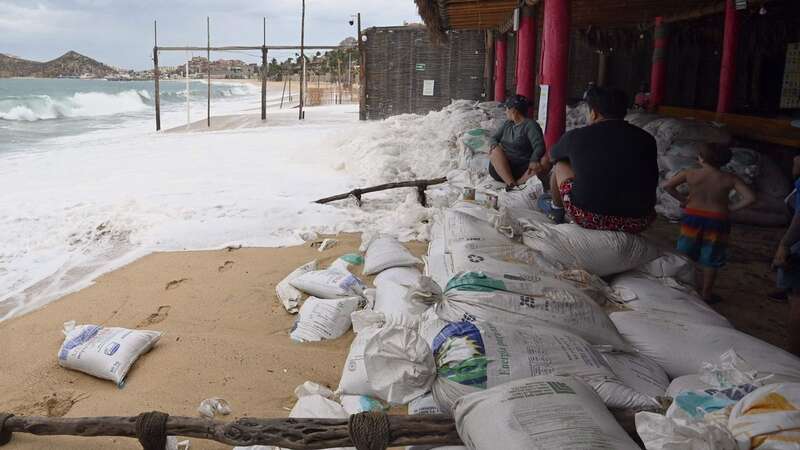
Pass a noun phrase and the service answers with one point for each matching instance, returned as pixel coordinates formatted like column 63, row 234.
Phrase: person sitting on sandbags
column 517, row 147
column 606, row 174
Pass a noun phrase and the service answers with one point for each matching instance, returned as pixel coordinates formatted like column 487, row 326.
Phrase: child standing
column 705, row 225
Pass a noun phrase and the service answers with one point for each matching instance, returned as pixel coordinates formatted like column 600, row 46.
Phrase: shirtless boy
column 705, row 225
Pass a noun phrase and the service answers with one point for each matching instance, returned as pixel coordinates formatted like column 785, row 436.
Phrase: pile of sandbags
column 678, row 141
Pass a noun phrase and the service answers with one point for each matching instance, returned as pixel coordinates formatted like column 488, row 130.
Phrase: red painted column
column 526, row 53
column 554, row 67
column 500, row 48
column 658, row 69
column 727, row 73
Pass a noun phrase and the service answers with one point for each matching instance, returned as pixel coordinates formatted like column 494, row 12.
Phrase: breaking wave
column 81, row 104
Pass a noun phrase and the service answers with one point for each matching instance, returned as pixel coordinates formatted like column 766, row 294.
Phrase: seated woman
column 606, row 174
column 517, row 147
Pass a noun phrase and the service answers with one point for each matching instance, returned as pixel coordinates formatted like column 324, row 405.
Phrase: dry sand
column 226, row 335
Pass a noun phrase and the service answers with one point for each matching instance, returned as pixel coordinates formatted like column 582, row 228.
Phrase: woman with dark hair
column 517, row 147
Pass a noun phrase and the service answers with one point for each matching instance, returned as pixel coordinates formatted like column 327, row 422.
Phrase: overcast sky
column 120, row 32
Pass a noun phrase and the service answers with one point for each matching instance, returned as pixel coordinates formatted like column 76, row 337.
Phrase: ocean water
column 87, row 185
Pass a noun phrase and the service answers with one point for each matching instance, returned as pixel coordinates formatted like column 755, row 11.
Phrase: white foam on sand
column 82, row 206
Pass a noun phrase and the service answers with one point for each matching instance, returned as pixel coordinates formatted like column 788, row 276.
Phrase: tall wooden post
column 658, row 79
column 264, row 74
column 500, row 58
column 602, row 68
column 526, row 42
column 727, row 73
column 362, row 74
column 554, row 69
column 302, row 57
column 488, row 66
column 208, row 62
column 156, row 76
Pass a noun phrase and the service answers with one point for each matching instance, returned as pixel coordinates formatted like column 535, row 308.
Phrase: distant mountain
column 70, row 64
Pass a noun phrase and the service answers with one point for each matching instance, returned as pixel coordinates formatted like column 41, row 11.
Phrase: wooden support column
column 602, row 68
column 727, row 73
column 658, row 71
column 362, row 74
column 208, row 62
column 488, row 66
column 156, row 76
column 554, row 71
column 526, row 44
column 500, row 50
column 300, row 115
column 264, row 73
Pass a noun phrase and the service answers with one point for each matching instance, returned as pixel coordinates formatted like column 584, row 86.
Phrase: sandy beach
column 226, row 335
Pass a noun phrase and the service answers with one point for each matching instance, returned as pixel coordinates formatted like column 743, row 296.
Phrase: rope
column 151, row 430
column 5, row 435
column 369, row 431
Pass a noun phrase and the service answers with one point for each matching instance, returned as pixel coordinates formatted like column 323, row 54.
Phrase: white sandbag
column 289, row 295
column 682, row 347
column 385, row 252
column 390, row 362
column 343, row 263
column 659, row 432
column 470, row 357
column 404, row 276
column 322, row 319
column 316, row 406
column 639, row 373
column 523, row 198
column 469, row 222
column 665, row 298
column 641, row 118
column 768, row 418
column 424, row 405
column 391, row 300
column 599, row 252
column 540, row 413
column 670, row 265
column 354, row 404
column 104, row 352
column 543, row 300
column 330, row 283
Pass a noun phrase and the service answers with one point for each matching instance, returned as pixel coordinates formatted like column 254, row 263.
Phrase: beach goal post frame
column 264, row 49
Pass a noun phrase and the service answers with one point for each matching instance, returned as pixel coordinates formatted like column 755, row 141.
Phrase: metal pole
column 555, row 67
column 208, row 56
column 500, row 58
column 727, row 73
column 188, row 109
column 264, row 74
column 156, row 75
column 362, row 76
column 658, row 70
column 302, row 56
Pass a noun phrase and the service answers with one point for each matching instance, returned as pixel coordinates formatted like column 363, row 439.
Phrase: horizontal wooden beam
column 762, row 129
column 248, row 47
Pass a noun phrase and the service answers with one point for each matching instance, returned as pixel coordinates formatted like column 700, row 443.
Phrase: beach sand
column 226, row 335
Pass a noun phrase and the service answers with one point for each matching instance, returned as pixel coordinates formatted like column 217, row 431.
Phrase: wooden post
column 554, row 67
column 658, row 69
column 727, row 73
column 602, row 68
column 362, row 74
column 526, row 41
column 156, row 76
column 208, row 62
column 500, row 58
column 302, row 57
column 488, row 66
column 264, row 73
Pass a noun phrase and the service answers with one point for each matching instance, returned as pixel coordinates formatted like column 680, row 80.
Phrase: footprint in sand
column 225, row 267
column 175, row 283
column 57, row 404
column 156, row 317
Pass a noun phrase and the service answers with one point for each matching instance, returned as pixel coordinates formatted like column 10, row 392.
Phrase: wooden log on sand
column 421, row 186
column 365, row 431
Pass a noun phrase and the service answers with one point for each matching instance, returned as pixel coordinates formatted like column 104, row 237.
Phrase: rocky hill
column 70, row 64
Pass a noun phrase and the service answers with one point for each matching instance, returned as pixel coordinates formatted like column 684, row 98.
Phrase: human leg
column 561, row 172
column 502, row 167
column 707, row 289
column 794, row 323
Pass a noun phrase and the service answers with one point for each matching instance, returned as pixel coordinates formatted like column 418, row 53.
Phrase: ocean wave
column 81, row 104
